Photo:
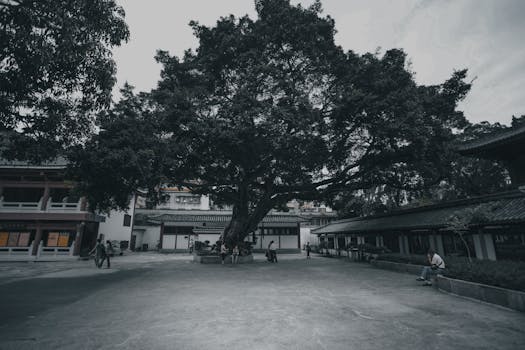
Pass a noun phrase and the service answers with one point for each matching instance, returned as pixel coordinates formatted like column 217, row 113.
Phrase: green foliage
column 127, row 155
column 459, row 177
column 55, row 69
column 267, row 110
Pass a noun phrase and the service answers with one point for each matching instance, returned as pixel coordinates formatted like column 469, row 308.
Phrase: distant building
column 174, row 230
column 497, row 233
column 185, row 217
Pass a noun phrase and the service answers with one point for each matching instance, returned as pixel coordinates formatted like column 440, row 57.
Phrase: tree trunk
column 244, row 221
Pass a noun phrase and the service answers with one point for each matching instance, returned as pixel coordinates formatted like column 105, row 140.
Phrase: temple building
column 495, row 224
column 184, row 218
column 40, row 217
column 174, row 230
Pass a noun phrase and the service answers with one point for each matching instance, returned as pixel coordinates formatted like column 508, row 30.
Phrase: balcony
column 54, row 207
column 63, row 206
column 20, row 206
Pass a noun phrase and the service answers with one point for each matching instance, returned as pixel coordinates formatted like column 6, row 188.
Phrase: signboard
column 63, row 239
column 3, row 238
column 52, row 239
column 13, row 226
column 23, row 239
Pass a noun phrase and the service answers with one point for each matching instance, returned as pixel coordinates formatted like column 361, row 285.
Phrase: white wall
column 182, row 242
column 288, row 242
column 168, row 242
column 267, row 239
column 113, row 228
column 150, row 236
column 307, row 236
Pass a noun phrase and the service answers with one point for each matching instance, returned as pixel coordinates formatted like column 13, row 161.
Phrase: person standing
column 308, row 250
column 100, row 252
column 273, row 251
column 224, row 251
column 235, row 254
column 437, row 267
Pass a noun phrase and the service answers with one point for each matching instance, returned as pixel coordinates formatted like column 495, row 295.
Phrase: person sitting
column 437, row 266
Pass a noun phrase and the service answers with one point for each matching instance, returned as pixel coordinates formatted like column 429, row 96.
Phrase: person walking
column 272, row 249
column 437, row 267
column 308, row 250
column 235, row 254
column 224, row 251
column 100, row 251
column 109, row 251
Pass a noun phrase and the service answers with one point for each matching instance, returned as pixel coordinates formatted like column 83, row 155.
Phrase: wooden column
column 162, row 237
column 45, row 198
column 299, row 236
column 36, row 241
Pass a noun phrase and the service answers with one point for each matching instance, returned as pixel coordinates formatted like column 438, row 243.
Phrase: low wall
column 215, row 259
column 280, row 251
column 511, row 299
column 388, row 265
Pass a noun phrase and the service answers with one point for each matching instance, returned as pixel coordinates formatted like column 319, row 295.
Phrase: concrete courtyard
column 167, row 302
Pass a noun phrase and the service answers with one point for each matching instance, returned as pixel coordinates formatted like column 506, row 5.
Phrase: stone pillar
column 439, row 244
column 83, row 204
column 37, row 240
column 78, row 238
column 484, row 246
column 432, row 242
column 489, row 245
column 478, row 246
column 401, row 244
column 407, row 246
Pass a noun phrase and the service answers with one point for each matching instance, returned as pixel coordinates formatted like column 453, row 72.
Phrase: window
column 178, row 230
column 14, row 239
column 58, row 239
column 127, row 220
column 188, row 199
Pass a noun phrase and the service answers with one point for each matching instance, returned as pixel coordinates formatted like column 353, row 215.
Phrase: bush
column 503, row 273
column 405, row 259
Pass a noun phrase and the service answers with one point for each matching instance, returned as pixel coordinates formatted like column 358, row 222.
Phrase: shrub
column 502, row 273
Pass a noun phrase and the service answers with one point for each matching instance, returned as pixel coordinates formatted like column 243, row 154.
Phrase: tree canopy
column 55, row 70
column 270, row 109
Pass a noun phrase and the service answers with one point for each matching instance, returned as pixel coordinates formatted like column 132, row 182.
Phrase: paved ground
column 167, row 302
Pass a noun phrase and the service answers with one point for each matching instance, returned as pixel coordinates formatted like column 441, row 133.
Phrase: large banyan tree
column 270, row 109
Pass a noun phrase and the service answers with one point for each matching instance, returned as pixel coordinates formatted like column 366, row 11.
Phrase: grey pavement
column 152, row 301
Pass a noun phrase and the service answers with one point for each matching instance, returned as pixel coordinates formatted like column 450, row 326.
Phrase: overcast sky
column 485, row 36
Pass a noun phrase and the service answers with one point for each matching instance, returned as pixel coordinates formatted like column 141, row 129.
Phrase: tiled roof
column 57, row 163
column 218, row 216
column 493, row 141
column 507, row 208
